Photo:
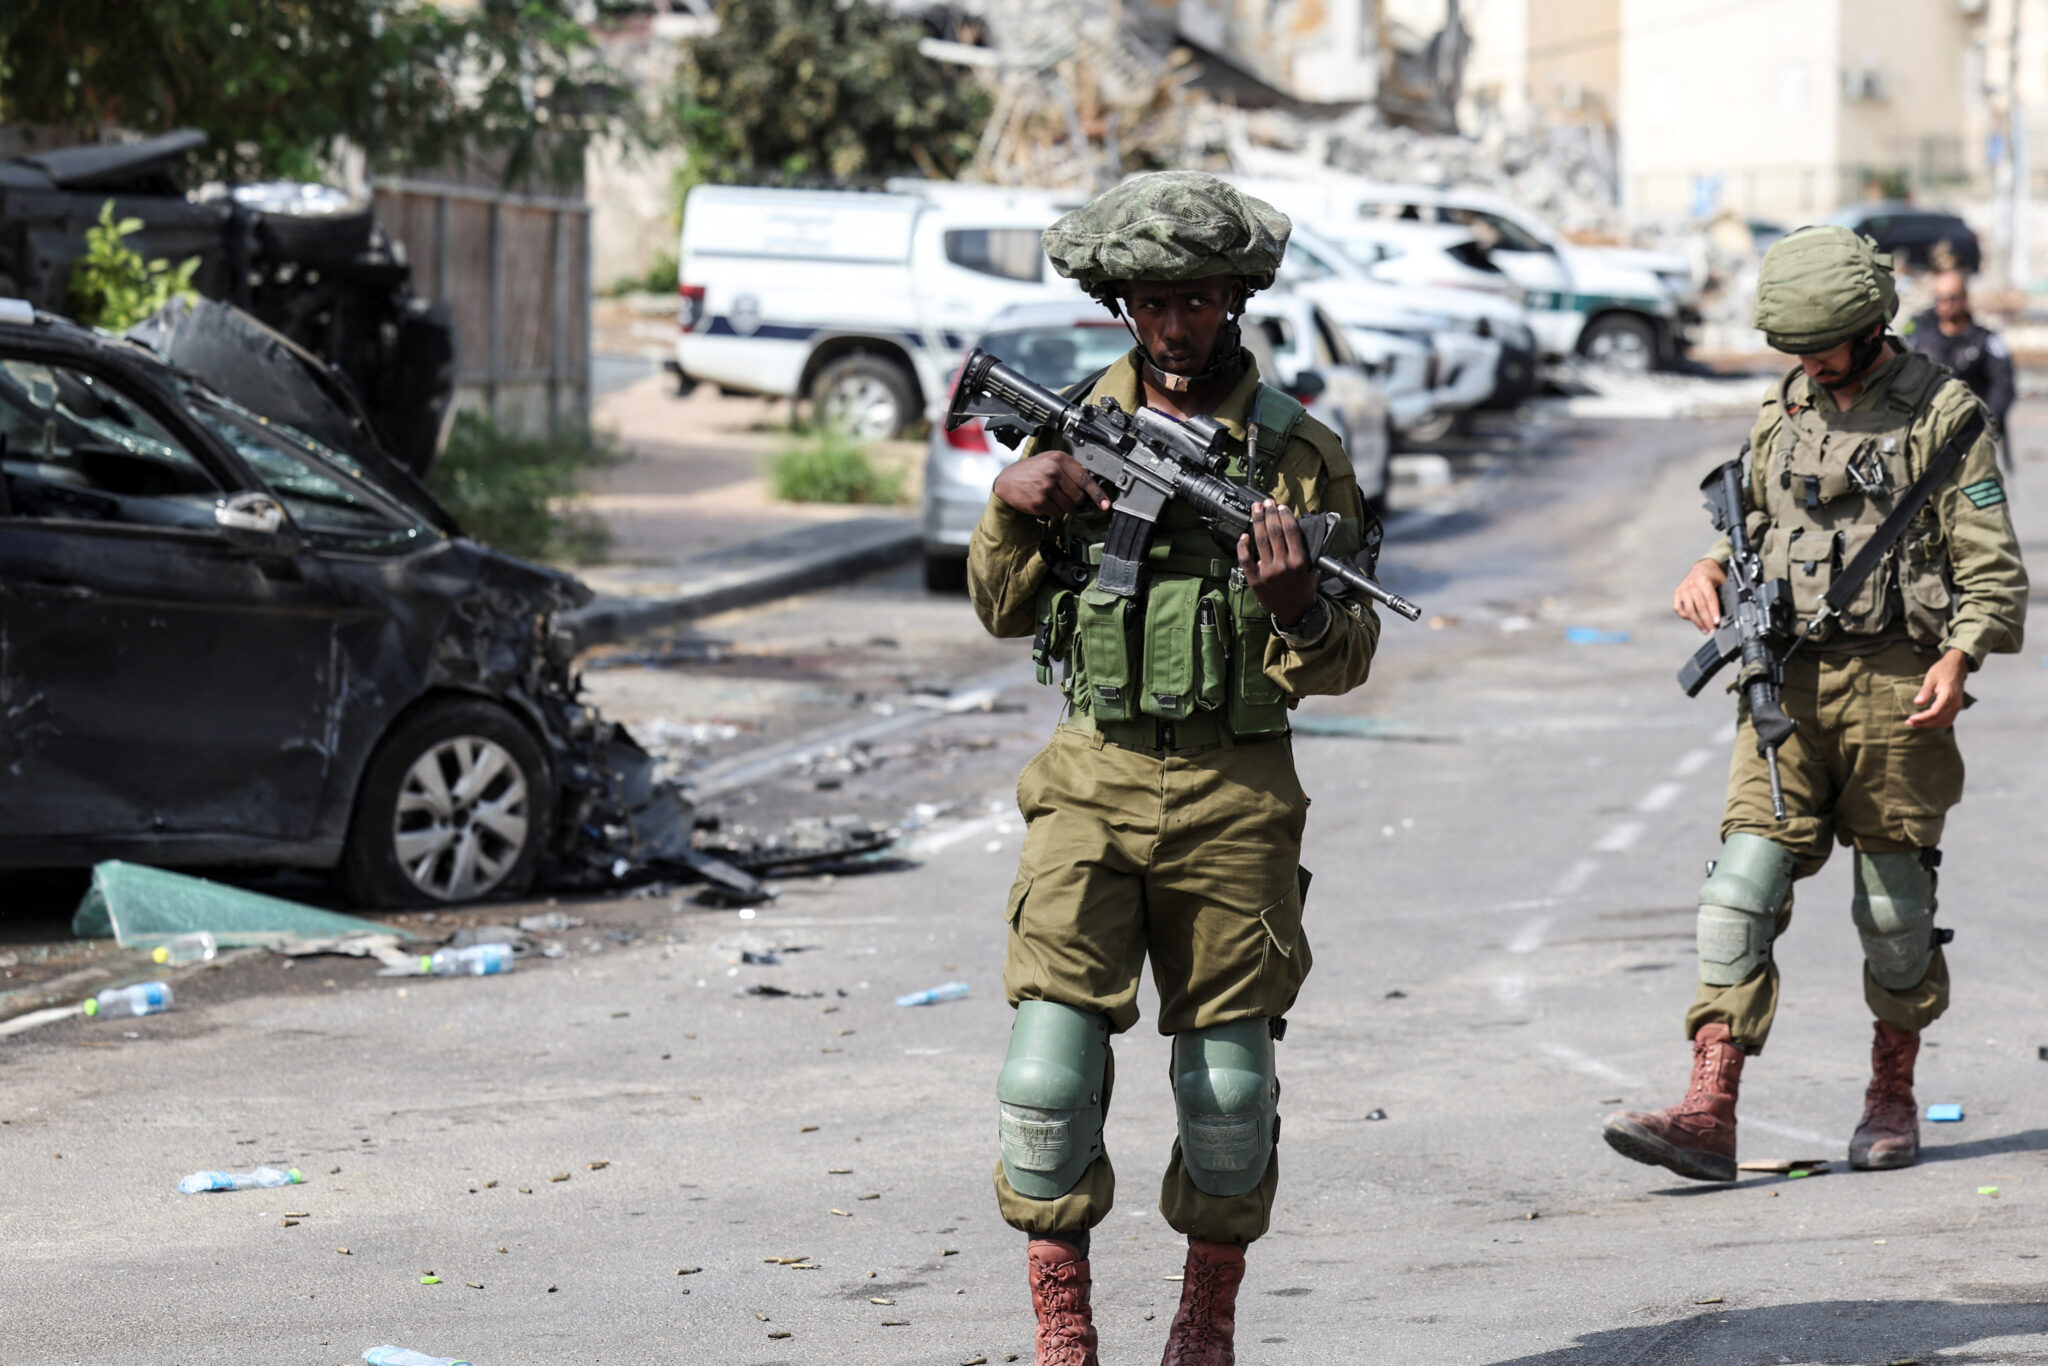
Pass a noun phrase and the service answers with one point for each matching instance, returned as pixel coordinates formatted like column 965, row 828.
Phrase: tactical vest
column 1827, row 485
column 1194, row 637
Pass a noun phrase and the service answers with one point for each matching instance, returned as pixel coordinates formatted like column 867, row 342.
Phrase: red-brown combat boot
column 1889, row 1135
column 1059, row 1296
column 1695, row 1137
column 1204, row 1331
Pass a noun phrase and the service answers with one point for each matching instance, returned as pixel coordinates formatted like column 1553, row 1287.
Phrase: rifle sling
column 1894, row 525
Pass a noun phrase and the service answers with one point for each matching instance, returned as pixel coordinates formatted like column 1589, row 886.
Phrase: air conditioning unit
column 1863, row 85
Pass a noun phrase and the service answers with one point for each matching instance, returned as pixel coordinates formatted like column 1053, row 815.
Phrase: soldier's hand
column 1941, row 693
column 1698, row 598
column 1048, row 484
column 1275, row 563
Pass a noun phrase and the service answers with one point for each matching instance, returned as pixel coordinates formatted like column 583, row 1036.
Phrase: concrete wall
column 1553, row 59
column 1317, row 51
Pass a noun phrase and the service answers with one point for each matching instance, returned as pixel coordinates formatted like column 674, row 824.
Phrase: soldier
column 1165, row 817
column 1873, row 763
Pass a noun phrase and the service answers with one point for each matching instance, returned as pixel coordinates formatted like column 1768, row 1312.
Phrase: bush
column 517, row 492
column 113, row 287
column 825, row 466
column 660, row 277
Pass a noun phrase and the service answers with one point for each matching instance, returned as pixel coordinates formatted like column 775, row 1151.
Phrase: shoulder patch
column 1985, row 493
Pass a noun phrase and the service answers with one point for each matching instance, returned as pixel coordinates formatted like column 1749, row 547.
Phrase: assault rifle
column 1756, row 614
column 1146, row 460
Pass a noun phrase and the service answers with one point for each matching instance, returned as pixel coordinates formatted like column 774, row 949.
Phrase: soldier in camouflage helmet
column 1165, row 817
column 1873, row 763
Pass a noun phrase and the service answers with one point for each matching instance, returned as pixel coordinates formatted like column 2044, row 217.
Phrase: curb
column 760, row 571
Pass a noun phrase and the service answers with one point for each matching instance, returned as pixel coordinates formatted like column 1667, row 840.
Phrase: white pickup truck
column 859, row 302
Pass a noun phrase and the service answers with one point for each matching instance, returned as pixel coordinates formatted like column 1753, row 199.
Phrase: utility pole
column 2019, row 270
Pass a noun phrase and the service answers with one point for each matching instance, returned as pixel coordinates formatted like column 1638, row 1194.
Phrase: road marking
column 1621, row 837
column 1726, row 734
column 1789, row 1131
column 1692, row 762
column 1587, row 1063
column 1660, row 796
column 1530, row 937
column 1577, row 876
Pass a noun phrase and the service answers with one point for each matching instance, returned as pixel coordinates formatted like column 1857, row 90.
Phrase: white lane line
column 1621, row 837
column 1530, row 937
column 1788, row 1131
column 1576, row 876
column 1726, row 734
column 1509, row 991
column 1660, row 796
column 1590, row 1065
column 1691, row 762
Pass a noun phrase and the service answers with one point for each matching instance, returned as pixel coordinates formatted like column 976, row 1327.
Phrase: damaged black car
column 234, row 630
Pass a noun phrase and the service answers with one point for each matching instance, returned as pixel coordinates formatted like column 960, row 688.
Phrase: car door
column 159, row 681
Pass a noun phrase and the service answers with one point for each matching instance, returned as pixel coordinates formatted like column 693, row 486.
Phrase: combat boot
column 1059, row 1297
column 1889, row 1135
column 1204, row 1331
column 1695, row 1137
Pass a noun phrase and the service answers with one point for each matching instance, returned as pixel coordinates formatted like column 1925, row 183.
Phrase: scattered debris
column 430, row 1280
column 1944, row 1114
column 381, row 945
column 1987, row 1190
column 142, row 907
column 144, row 998
column 762, row 989
column 1375, row 1114
column 178, row 950
column 951, row 991
column 1594, row 635
column 680, row 1271
column 477, row 960
column 199, row 1182
column 405, row 1356
column 1712, row 1299
column 1782, row 1166
column 550, row 922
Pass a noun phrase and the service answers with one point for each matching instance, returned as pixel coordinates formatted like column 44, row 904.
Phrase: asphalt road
column 1506, row 849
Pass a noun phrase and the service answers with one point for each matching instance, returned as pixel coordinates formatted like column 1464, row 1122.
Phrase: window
column 1008, row 253
column 332, row 509
column 1279, row 333
column 78, row 447
column 1059, row 356
column 1330, row 347
column 1301, row 265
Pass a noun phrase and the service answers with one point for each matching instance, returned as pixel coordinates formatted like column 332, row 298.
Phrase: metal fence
column 514, row 270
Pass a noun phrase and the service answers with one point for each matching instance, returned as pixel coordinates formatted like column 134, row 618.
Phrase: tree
column 276, row 83
column 820, row 89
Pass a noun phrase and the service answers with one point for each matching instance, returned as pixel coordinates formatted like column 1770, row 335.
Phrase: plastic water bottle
column 406, row 1356
column 478, row 960
column 238, row 1181
column 952, row 991
column 144, row 998
column 197, row 947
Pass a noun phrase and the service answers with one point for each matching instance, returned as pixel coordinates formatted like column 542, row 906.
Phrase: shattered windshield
column 329, row 499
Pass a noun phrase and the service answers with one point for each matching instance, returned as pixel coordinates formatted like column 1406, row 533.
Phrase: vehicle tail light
column 689, row 306
column 968, row 436
column 1307, row 400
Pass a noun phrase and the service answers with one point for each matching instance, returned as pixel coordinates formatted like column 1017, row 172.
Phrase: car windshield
column 1059, row 356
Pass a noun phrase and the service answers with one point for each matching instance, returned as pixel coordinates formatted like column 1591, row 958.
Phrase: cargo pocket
column 1924, row 584
column 1054, row 639
column 1285, row 957
column 1809, row 557
column 1212, row 646
column 1020, row 891
column 1870, row 610
column 1102, row 626
column 1923, row 774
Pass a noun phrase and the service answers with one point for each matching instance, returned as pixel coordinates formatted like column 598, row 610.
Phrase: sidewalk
column 694, row 527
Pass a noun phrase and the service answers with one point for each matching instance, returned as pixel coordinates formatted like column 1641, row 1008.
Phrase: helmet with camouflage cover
column 1169, row 225
column 1822, row 286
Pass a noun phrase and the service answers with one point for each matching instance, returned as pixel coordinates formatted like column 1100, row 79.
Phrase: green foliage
column 274, row 83
column 826, row 466
column 113, row 287
column 790, row 90
column 660, row 277
column 518, row 492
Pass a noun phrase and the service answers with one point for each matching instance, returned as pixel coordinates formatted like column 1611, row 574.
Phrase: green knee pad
column 1739, row 905
column 1050, row 1093
column 1228, row 1095
column 1894, row 913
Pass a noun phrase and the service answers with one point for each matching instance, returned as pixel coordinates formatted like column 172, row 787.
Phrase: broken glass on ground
column 142, row 907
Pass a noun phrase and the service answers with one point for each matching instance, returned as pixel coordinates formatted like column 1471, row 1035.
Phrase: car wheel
column 945, row 574
column 866, row 397
column 1434, row 428
column 1621, row 341
column 456, row 806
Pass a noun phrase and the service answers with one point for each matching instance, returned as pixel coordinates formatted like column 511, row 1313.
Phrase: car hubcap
column 461, row 820
column 1622, row 348
column 862, row 407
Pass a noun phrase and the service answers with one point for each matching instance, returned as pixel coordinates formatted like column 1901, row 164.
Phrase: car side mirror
column 255, row 521
column 1308, row 386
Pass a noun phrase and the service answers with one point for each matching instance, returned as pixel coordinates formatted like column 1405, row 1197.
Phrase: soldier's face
column 1831, row 366
column 1179, row 321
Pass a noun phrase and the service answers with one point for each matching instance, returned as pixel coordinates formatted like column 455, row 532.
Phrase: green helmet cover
column 1169, row 225
column 1822, row 286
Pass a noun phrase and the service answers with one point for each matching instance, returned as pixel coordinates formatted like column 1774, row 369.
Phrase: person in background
column 1949, row 335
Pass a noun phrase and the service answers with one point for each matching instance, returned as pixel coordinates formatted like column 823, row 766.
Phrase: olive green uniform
column 1854, row 773
column 1173, row 835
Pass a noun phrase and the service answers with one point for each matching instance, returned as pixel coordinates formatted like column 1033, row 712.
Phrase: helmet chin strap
column 1223, row 359
column 1862, row 356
